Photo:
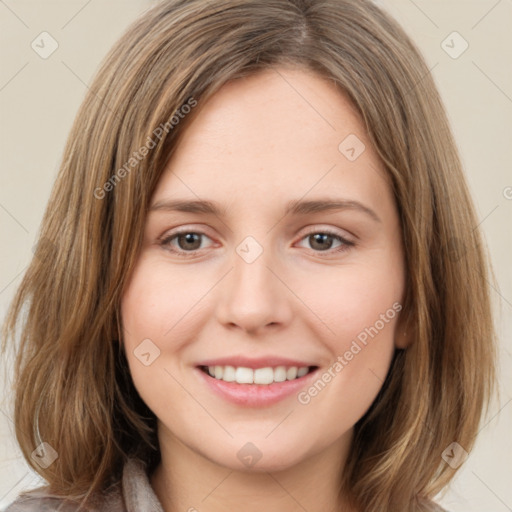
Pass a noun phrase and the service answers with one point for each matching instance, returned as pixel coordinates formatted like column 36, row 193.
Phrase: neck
column 185, row 480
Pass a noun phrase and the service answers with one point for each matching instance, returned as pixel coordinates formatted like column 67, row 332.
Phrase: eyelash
column 165, row 242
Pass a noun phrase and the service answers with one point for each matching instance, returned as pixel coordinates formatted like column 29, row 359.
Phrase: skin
column 252, row 147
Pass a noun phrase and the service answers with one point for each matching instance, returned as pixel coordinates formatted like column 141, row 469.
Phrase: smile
column 255, row 382
column 262, row 376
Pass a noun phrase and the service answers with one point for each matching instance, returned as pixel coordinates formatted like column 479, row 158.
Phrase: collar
column 137, row 493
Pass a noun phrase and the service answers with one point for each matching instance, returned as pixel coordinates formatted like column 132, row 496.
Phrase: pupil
column 320, row 238
column 189, row 238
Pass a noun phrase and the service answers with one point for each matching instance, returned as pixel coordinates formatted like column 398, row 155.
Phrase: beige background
column 39, row 98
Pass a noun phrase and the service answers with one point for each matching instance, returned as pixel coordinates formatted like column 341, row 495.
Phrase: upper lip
column 257, row 362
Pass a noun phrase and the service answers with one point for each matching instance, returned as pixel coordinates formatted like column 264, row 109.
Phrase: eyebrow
column 294, row 207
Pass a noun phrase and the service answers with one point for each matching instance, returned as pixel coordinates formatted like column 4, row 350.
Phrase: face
column 289, row 275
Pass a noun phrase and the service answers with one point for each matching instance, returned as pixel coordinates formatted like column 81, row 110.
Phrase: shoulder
column 39, row 500
column 132, row 492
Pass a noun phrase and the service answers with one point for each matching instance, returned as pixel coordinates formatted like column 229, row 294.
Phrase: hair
column 73, row 389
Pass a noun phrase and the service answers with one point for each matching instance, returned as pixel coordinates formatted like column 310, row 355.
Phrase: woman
column 325, row 343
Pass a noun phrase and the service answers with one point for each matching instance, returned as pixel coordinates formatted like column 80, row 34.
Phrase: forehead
column 276, row 135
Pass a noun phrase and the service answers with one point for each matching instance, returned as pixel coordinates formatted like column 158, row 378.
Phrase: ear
column 404, row 331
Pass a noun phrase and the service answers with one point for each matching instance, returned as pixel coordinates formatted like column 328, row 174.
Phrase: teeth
column 279, row 374
column 266, row 375
column 244, row 375
column 291, row 373
column 302, row 371
column 229, row 374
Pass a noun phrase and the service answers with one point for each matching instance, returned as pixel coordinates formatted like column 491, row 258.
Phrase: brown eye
column 189, row 241
column 183, row 243
column 321, row 241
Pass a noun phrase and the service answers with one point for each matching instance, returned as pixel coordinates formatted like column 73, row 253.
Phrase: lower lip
column 255, row 395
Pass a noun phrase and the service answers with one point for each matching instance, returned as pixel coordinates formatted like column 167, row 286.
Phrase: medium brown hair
column 72, row 384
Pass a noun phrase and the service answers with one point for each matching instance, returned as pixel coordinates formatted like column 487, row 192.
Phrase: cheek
column 361, row 308
column 157, row 306
column 353, row 300
column 154, row 319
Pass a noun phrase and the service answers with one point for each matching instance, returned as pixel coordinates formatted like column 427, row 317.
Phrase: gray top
column 132, row 494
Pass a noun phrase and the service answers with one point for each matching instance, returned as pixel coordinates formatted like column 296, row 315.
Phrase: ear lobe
column 403, row 333
column 402, row 339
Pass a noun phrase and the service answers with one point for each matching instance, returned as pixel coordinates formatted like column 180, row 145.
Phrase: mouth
column 260, row 376
column 255, row 387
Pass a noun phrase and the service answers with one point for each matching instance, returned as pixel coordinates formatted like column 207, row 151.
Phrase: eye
column 188, row 242
column 322, row 241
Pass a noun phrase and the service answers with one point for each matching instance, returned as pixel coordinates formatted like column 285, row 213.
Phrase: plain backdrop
column 39, row 98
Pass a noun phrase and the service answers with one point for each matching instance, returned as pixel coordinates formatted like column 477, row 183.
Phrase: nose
column 254, row 296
